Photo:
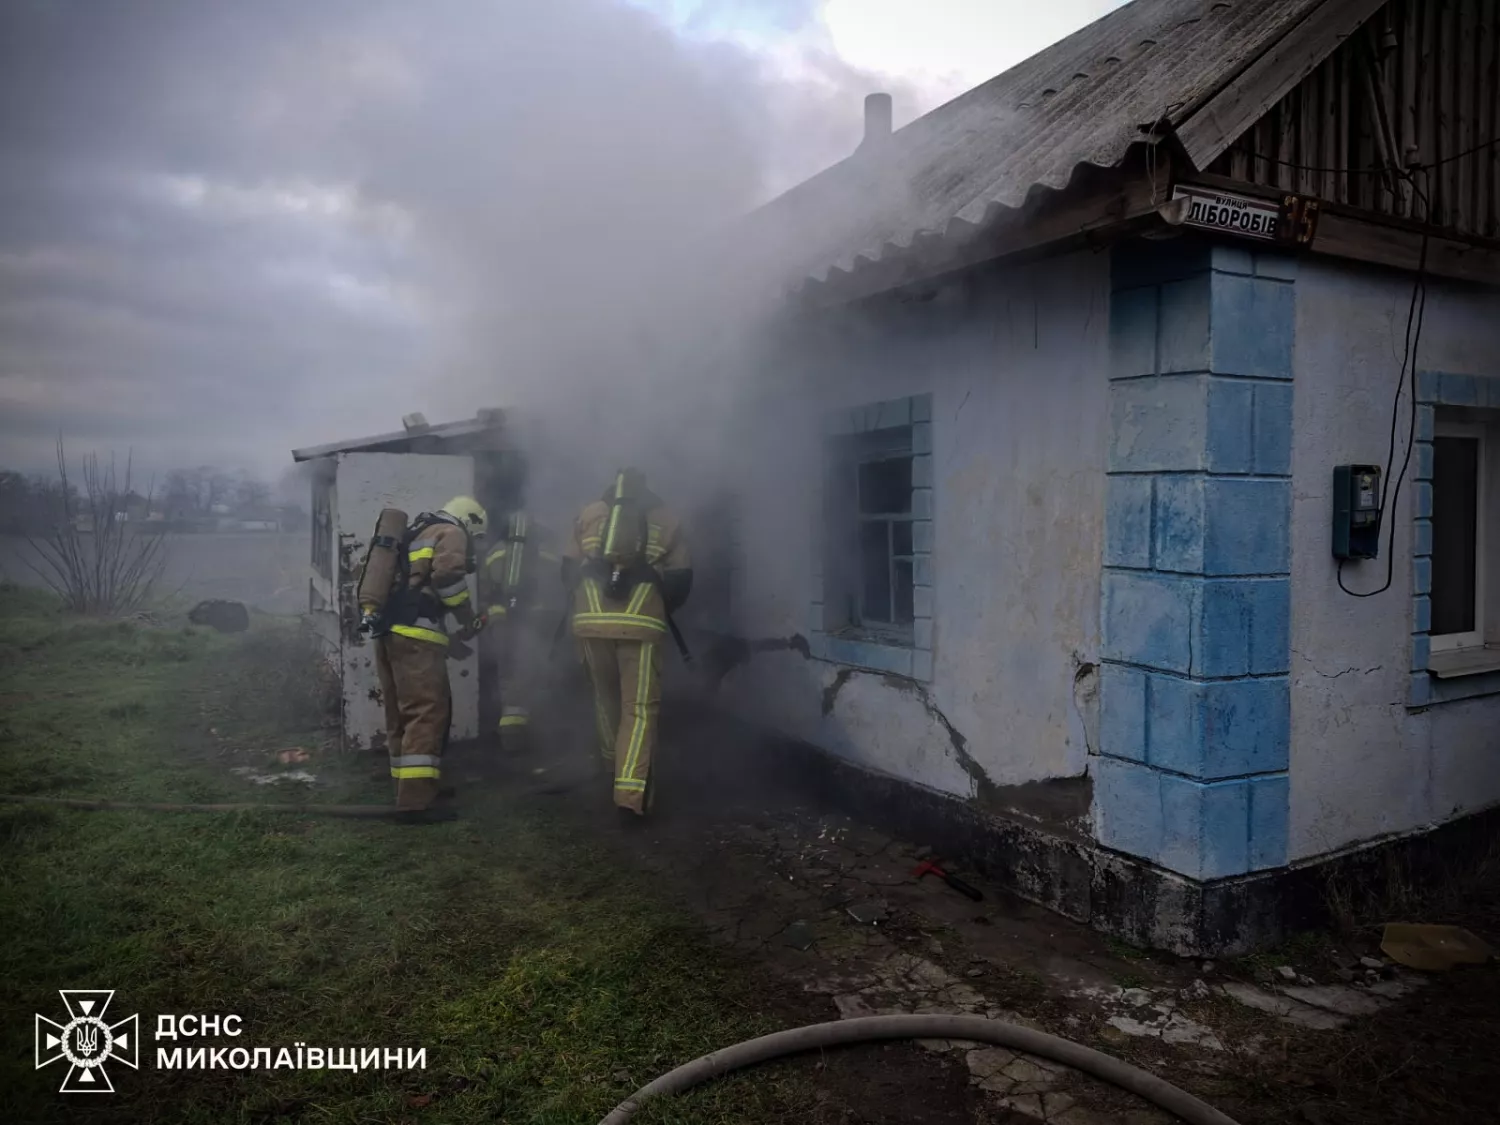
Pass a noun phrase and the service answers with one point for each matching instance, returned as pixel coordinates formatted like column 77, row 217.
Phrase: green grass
column 543, row 980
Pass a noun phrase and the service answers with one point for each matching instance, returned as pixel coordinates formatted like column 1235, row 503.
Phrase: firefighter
column 512, row 593
column 628, row 569
column 436, row 556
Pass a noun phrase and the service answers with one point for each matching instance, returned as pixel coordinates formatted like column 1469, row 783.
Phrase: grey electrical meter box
column 1356, row 511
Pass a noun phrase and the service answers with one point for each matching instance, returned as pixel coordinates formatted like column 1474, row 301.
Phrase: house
column 1066, row 401
column 416, row 469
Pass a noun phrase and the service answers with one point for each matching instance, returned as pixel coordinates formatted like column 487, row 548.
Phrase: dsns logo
column 87, row 1041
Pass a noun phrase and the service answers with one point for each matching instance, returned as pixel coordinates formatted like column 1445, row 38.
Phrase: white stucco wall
column 1017, row 368
column 1362, row 765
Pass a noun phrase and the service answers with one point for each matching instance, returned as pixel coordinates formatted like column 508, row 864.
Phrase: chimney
column 877, row 119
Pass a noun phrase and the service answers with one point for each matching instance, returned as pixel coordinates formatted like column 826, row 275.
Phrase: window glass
column 901, row 538
column 1455, row 507
column 903, row 593
column 875, row 570
column 885, row 486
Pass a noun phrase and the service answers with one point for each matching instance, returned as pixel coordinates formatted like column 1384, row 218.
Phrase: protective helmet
column 468, row 513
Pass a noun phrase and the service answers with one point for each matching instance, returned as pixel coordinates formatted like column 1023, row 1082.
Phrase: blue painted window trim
column 1434, row 389
column 912, row 660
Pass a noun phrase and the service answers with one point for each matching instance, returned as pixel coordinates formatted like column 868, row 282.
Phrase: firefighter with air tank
column 415, row 576
column 628, row 570
column 512, row 595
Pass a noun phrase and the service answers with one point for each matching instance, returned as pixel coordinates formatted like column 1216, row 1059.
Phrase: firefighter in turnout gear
column 629, row 571
column 509, row 582
column 434, row 557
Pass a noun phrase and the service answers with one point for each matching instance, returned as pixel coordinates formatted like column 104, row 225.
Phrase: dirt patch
column 832, row 912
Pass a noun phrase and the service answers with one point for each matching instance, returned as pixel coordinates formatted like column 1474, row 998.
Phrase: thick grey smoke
column 230, row 228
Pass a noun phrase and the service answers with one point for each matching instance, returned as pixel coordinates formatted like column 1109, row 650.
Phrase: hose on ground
column 373, row 812
column 355, row 812
column 973, row 1029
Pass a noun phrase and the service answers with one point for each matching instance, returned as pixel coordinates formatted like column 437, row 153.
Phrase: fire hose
column 974, row 1029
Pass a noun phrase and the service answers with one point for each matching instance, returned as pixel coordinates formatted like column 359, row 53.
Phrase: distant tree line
column 197, row 499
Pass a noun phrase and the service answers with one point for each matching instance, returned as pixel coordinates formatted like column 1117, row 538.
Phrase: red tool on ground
column 928, row 867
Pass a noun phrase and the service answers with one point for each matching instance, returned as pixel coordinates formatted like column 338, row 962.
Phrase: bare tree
column 92, row 557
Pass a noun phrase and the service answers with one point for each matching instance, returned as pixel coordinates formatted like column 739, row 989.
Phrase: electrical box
column 1356, row 511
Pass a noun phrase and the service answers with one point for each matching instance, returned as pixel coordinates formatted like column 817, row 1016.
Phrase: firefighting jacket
column 437, row 583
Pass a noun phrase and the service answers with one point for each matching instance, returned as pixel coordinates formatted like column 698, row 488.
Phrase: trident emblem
column 86, row 1041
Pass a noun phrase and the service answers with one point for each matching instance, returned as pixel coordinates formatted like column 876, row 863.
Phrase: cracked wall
column 1363, row 764
column 1016, row 364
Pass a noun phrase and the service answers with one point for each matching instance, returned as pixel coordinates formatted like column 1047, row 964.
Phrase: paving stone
column 1031, row 1071
column 869, row 913
column 1078, row 1115
column 1396, row 987
column 1282, row 1007
column 1344, row 1001
column 1056, row 1104
column 988, row 1061
column 799, row 935
column 851, row 1006
column 1372, row 962
column 1029, row 1104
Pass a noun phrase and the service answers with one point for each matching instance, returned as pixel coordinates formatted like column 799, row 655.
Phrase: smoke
column 254, row 226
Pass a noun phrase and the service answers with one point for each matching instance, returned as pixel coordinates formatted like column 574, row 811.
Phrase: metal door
column 368, row 482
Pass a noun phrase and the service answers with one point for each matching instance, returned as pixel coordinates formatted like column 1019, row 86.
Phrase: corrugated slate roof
column 1082, row 101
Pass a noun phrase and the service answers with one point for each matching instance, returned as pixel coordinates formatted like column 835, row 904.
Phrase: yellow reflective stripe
column 630, row 785
column 514, row 721
column 590, row 544
column 415, row 771
column 495, row 556
column 420, row 553
column 638, row 598
column 638, row 732
column 591, row 595
column 456, row 599
column 601, row 705
column 496, row 611
column 548, row 556
column 620, row 619
column 416, row 632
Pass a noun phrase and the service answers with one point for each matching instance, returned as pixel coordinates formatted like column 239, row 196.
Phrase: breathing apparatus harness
column 406, row 605
column 620, row 564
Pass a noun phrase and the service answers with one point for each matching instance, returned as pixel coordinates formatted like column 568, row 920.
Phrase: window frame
column 1478, row 432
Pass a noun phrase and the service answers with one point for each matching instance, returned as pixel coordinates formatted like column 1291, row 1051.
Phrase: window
column 870, row 561
column 322, row 520
column 1459, row 459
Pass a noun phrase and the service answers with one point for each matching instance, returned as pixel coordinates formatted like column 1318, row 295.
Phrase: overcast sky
column 232, row 227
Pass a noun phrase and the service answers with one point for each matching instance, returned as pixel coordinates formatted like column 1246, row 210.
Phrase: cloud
column 261, row 225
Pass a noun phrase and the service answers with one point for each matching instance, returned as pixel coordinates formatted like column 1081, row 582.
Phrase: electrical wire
column 1407, row 378
column 1294, row 166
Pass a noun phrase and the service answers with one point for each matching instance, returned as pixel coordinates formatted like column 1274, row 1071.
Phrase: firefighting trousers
column 418, row 713
column 626, row 678
column 520, row 663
